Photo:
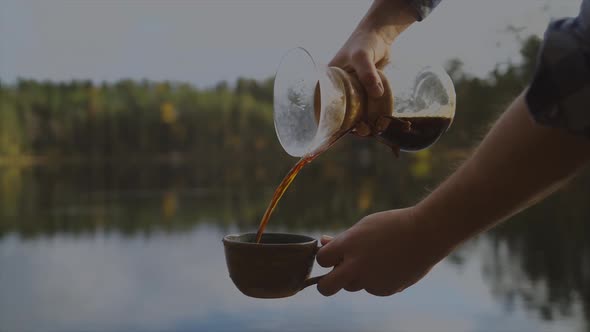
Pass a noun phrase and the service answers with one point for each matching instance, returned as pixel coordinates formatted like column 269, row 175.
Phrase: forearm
column 517, row 164
column 388, row 18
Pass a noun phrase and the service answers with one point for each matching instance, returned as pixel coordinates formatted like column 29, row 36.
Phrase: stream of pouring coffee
column 306, row 159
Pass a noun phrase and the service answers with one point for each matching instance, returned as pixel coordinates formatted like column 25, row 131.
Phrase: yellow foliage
column 423, row 154
column 422, row 165
column 365, row 197
column 169, row 204
column 10, row 189
column 168, row 113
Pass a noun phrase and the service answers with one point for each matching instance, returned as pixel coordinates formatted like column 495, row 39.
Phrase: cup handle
column 311, row 281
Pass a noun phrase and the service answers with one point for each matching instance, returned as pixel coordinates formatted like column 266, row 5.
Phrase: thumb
column 329, row 254
column 367, row 73
column 325, row 239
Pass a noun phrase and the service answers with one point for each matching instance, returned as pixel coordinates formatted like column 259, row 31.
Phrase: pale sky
column 203, row 42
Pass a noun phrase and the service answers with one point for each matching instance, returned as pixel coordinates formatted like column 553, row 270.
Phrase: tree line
column 129, row 119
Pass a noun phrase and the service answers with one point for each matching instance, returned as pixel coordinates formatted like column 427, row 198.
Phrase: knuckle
column 359, row 55
column 324, row 259
column 325, row 290
column 321, row 259
column 369, row 79
column 323, row 262
column 353, row 286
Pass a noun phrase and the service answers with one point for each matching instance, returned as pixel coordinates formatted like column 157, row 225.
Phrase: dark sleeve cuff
column 559, row 94
column 423, row 7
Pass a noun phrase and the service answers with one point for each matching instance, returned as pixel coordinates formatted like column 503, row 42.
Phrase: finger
column 325, row 239
column 334, row 281
column 380, row 291
column 367, row 73
column 383, row 290
column 329, row 254
column 353, row 286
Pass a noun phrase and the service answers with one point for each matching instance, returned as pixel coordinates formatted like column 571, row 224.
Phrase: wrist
column 388, row 18
column 460, row 207
column 439, row 228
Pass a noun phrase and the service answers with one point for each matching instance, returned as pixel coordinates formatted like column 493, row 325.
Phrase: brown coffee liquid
column 413, row 134
column 409, row 134
column 287, row 181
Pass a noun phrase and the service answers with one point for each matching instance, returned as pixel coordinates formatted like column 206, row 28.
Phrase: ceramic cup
column 278, row 266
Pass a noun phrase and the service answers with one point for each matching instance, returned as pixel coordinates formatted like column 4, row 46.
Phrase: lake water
column 81, row 253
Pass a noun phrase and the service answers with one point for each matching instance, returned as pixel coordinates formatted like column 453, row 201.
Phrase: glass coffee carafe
column 314, row 105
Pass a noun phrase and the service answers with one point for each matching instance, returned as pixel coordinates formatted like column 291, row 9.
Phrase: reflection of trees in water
column 542, row 256
column 141, row 197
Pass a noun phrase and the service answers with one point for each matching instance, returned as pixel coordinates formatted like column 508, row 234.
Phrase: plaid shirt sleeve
column 559, row 94
column 423, row 7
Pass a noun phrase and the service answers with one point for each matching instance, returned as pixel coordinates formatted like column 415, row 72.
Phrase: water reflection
column 84, row 198
column 543, row 258
column 179, row 282
column 127, row 248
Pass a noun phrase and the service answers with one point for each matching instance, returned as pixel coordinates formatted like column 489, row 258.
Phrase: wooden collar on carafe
column 368, row 116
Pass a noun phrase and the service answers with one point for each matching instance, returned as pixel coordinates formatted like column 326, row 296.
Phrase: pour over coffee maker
column 315, row 104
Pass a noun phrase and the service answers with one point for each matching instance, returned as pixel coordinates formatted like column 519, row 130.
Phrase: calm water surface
column 80, row 257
